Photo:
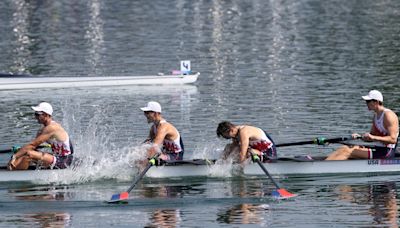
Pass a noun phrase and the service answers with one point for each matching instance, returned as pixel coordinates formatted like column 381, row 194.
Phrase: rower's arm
column 150, row 137
column 244, row 145
column 391, row 123
column 46, row 133
column 162, row 132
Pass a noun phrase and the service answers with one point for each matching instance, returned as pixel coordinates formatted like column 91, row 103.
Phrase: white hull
column 27, row 175
column 285, row 167
column 282, row 167
column 31, row 82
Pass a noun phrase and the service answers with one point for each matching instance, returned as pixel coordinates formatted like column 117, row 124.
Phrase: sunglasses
column 369, row 101
column 39, row 113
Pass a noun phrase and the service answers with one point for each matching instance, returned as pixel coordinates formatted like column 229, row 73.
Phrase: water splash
column 96, row 156
column 119, row 165
column 221, row 168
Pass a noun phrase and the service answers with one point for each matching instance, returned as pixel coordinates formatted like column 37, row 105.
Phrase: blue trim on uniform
column 62, row 162
column 380, row 152
column 180, row 154
column 176, row 156
column 71, row 147
column 270, row 154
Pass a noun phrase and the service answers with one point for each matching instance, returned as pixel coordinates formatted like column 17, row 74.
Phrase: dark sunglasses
column 369, row 101
column 39, row 113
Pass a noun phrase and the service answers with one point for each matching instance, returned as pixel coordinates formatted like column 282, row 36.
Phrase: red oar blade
column 116, row 198
column 282, row 194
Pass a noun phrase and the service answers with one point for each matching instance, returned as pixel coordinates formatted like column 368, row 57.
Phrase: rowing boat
column 283, row 166
column 286, row 166
column 13, row 82
column 29, row 175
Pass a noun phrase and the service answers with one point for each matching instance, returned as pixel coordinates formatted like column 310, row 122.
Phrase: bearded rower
column 52, row 133
column 164, row 137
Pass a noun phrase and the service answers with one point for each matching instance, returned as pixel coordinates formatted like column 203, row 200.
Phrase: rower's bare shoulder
column 168, row 125
column 163, row 127
column 247, row 128
column 252, row 129
column 248, row 131
column 391, row 116
column 52, row 129
column 48, row 128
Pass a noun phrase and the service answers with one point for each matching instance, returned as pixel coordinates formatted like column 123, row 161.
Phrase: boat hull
column 27, row 175
column 284, row 166
column 31, row 82
column 192, row 168
column 328, row 167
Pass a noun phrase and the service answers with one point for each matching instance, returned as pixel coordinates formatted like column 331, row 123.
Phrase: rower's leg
column 343, row 153
column 24, row 161
column 19, row 163
column 360, row 153
column 346, row 152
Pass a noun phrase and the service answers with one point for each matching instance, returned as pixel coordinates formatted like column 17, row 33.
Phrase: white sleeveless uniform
column 170, row 146
column 382, row 150
column 265, row 145
column 61, row 152
column 382, row 131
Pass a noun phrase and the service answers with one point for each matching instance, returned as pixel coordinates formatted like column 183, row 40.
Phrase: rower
column 52, row 133
column 165, row 139
column 245, row 139
column 384, row 132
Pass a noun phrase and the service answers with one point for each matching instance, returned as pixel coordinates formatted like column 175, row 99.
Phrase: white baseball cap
column 373, row 95
column 44, row 107
column 152, row 106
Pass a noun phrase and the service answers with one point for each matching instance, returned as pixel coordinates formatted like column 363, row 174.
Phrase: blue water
column 297, row 69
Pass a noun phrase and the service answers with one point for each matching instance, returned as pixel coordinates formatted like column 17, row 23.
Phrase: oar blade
column 117, row 198
column 282, row 193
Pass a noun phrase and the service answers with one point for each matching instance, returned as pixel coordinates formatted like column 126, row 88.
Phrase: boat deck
column 35, row 82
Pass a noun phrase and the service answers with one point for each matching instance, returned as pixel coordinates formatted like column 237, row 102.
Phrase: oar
column 117, row 198
column 318, row 141
column 279, row 193
column 14, row 75
column 192, row 162
column 13, row 150
column 6, row 151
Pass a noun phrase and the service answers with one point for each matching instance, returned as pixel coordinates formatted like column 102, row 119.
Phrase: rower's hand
column 355, row 136
column 368, row 137
column 11, row 163
column 15, row 149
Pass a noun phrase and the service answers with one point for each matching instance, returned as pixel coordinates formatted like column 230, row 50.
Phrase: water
column 296, row 69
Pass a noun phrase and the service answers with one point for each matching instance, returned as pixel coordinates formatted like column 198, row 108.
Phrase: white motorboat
column 15, row 82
